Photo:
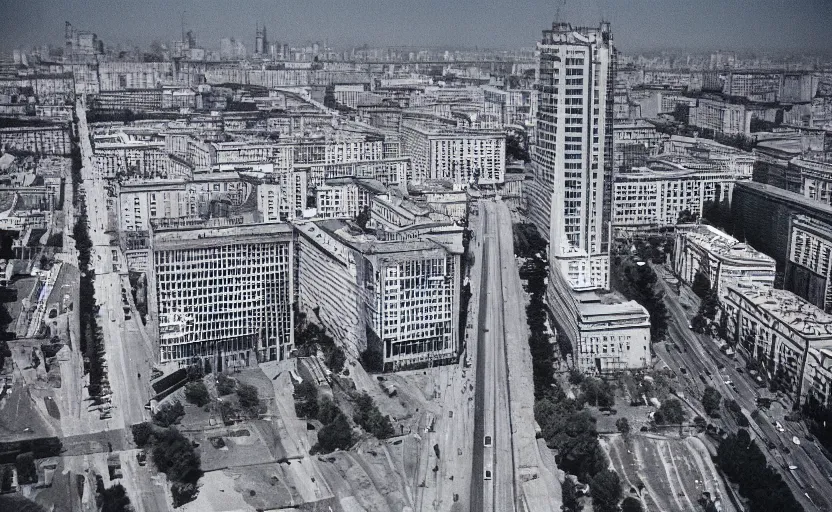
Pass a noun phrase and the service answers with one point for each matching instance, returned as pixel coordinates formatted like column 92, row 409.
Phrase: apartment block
column 657, row 194
column 399, row 299
column 224, row 293
column 40, row 140
column 345, row 198
column 789, row 337
column 721, row 116
column 721, row 258
column 808, row 270
column 457, row 155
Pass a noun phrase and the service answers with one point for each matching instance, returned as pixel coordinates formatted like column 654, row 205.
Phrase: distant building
column 633, row 143
column 503, row 107
column 721, row 116
column 656, row 195
column 224, row 293
column 457, row 155
column 345, row 198
column 721, row 258
column 39, row 140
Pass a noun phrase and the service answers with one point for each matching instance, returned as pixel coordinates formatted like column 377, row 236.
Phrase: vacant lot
column 669, row 474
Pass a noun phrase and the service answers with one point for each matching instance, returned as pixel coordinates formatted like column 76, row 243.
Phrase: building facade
column 224, row 293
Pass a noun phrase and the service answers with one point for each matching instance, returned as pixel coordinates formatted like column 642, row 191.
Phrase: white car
column 779, row 427
column 792, row 467
column 796, row 440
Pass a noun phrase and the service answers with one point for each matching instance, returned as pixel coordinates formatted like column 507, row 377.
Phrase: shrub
column 114, row 499
column 623, row 425
column 711, row 400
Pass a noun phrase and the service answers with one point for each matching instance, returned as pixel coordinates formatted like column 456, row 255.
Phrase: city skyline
column 769, row 25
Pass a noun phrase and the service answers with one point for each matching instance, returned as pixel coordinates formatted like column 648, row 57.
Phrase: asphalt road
column 492, row 408
column 705, row 363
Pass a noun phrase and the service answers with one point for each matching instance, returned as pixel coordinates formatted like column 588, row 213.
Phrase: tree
column 141, row 433
column 701, row 285
column 711, row 399
column 569, row 496
column 27, row 473
column 35, row 358
column 335, row 359
column 605, row 489
column 249, row 396
column 335, row 436
column 114, row 499
column 686, row 217
column 671, row 412
column 363, row 217
column 225, row 384
column 327, row 411
column 169, row 414
column 631, row 504
column 306, row 400
column 6, row 479
column 598, row 392
column 370, row 418
column 183, row 492
column 623, row 425
column 197, row 393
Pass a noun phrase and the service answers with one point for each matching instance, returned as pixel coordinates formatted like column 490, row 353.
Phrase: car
column 487, row 441
column 779, row 427
column 487, row 475
column 792, row 467
column 796, row 440
column 690, row 326
column 683, row 370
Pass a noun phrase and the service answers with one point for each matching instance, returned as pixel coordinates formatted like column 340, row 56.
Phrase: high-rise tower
column 572, row 160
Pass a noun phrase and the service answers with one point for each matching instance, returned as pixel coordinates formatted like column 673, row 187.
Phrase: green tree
column 569, row 496
column 631, row 504
column 370, row 418
column 141, row 433
column 623, row 425
column 335, row 436
column 249, row 396
column 671, row 412
column 197, row 393
column 363, row 217
column 306, row 400
column 701, row 285
column 225, row 384
column 27, row 473
column 606, row 491
column 711, row 400
column 114, row 499
column 169, row 414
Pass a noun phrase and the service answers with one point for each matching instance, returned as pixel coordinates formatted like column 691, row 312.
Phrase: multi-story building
column 345, row 198
column 399, row 299
column 772, row 165
column 809, row 265
column 503, row 107
column 224, row 293
column 733, row 161
column 39, row 140
column 572, row 199
column 789, row 337
column 721, row 258
column 815, row 177
column 572, row 160
column 762, row 216
column 143, row 203
column 656, row 195
column 721, row 116
column 633, row 143
column 135, row 100
column 461, row 156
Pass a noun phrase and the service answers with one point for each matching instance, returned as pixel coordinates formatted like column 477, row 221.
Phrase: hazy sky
column 637, row 24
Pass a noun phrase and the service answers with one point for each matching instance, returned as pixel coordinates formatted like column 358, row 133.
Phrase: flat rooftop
column 724, row 245
column 215, row 236
column 800, row 315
